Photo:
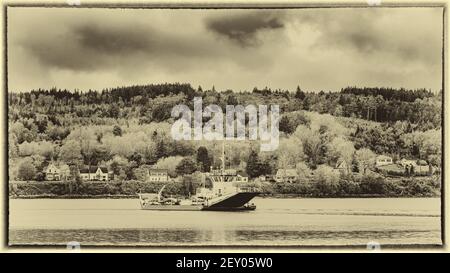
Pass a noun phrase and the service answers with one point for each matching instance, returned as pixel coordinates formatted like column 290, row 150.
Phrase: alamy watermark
column 73, row 246
column 259, row 125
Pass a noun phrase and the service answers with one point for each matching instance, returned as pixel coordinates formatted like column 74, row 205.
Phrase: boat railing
column 248, row 189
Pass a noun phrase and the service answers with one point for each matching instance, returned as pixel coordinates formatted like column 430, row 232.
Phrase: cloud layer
column 318, row 49
column 243, row 28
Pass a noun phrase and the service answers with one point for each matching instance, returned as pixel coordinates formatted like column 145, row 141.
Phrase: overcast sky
column 318, row 49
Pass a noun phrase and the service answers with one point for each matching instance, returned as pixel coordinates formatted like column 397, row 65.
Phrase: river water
column 289, row 222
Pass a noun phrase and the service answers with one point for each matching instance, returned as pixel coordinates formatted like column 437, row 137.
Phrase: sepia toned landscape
column 91, row 153
column 357, row 141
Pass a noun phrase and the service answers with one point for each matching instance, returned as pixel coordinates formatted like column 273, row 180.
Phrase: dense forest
column 127, row 129
column 152, row 103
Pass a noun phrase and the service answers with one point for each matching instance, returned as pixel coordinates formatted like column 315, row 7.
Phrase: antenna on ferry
column 223, row 160
column 223, row 156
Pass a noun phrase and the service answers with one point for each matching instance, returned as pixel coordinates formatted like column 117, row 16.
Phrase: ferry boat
column 228, row 192
column 235, row 200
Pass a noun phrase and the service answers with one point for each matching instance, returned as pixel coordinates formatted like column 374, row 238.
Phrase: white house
column 157, row 175
column 240, row 178
column 408, row 162
column 422, row 168
column 52, row 172
column 286, row 175
column 94, row 173
column 383, row 160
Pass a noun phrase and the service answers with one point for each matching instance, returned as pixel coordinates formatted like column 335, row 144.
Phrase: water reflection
column 293, row 222
column 132, row 237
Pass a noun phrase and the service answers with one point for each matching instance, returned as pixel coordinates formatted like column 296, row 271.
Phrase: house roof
column 412, row 162
column 92, row 169
column 51, row 165
column 242, row 173
column 341, row 163
column 422, row 163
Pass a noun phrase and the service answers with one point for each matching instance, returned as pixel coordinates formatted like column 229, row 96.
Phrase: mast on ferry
column 223, row 161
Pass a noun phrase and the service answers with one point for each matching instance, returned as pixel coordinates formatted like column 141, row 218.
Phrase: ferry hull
column 173, row 207
column 236, row 201
column 243, row 208
column 195, row 208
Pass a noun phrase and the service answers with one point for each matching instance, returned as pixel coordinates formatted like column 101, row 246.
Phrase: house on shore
column 56, row 172
column 383, row 160
column 266, row 178
column 422, row 168
column 52, row 172
column 94, row 174
column 342, row 166
column 407, row 167
column 407, row 162
column 157, row 175
column 286, row 175
column 241, row 176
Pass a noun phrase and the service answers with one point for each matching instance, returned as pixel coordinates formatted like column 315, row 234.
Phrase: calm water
column 275, row 222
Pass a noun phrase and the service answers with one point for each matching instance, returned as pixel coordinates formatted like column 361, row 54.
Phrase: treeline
column 125, row 93
column 389, row 93
column 153, row 103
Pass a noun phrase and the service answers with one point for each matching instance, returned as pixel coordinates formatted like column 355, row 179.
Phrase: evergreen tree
column 285, row 126
column 299, row 94
column 203, row 159
column 254, row 165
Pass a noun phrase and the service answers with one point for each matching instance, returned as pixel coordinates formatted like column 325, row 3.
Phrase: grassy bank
column 371, row 187
column 363, row 188
column 125, row 189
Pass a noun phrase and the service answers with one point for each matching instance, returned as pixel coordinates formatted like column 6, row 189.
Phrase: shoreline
column 264, row 196
column 399, row 188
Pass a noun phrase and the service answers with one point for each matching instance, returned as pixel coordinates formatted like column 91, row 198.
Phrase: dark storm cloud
column 93, row 45
column 88, row 46
column 243, row 28
column 113, row 39
column 65, row 54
